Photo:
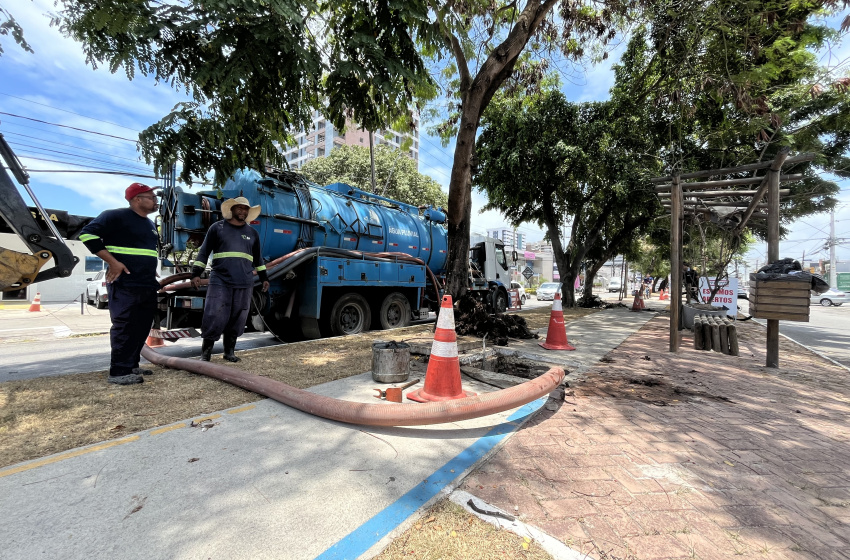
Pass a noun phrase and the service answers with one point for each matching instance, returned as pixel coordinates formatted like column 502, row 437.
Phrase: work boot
column 142, row 371
column 229, row 348
column 129, row 379
column 206, row 349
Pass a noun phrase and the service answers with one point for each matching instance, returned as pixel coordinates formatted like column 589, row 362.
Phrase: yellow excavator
column 19, row 270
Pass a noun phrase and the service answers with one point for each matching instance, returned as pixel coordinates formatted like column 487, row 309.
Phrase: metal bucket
column 390, row 361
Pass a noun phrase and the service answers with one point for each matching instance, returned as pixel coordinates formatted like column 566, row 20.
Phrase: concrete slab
column 264, row 481
column 593, row 336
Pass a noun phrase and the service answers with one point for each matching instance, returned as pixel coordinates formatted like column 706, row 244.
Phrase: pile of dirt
column 595, row 302
column 471, row 318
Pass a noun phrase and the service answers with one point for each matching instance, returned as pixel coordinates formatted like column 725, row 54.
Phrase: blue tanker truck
column 340, row 260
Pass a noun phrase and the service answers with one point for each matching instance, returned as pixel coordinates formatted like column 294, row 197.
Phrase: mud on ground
column 628, row 376
column 39, row 417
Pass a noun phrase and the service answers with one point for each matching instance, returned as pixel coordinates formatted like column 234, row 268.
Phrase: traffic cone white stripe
column 446, row 320
column 444, row 349
column 557, row 305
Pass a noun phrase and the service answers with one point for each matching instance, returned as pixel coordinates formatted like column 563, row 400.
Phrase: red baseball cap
column 137, row 189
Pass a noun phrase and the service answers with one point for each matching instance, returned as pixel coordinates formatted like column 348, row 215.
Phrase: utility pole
column 372, row 157
column 833, row 269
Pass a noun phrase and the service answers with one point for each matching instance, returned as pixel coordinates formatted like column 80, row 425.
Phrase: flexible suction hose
column 370, row 414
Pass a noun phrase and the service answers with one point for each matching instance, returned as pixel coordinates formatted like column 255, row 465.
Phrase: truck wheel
column 350, row 315
column 500, row 301
column 395, row 311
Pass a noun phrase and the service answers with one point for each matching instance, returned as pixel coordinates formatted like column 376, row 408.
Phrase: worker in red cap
column 126, row 239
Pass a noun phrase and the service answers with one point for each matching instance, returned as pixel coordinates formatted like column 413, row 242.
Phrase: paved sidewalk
column 688, row 455
column 52, row 322
column 261, row 480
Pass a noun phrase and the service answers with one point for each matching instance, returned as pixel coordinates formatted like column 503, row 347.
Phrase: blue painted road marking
column 364, row 537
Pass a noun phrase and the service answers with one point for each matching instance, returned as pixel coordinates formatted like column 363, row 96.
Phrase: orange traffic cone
column 637, row 304
column 153, row 340
column 442, row 379
column 36, row 303
column 556, row 336
column 664, row 295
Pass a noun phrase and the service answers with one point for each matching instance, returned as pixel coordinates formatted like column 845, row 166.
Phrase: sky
column 56, row 86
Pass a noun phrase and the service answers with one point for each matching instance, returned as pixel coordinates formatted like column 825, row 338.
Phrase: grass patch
column 40, row 417
column 449, row 532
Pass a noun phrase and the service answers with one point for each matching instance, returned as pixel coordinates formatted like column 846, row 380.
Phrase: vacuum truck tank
column 340, row 260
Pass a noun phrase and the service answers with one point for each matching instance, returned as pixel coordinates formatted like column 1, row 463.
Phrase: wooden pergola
column 731, row 203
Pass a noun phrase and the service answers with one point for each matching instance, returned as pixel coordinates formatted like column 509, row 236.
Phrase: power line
column 67, row 111
column 88, row 140
column 68, row 154
column 92, row 171
column 66, row 126
column 64, row 162
column 70, row 146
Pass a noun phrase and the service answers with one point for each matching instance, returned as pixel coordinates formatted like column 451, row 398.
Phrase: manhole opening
column 510, row 365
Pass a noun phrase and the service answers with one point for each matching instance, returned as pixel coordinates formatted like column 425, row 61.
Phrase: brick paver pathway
column 645, row 459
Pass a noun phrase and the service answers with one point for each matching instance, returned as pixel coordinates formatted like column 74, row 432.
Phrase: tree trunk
column 460, row 204
column 476, row 93
column 589, row 276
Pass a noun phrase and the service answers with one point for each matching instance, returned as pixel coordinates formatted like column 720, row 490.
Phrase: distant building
column 540, row 247
column 513, row 240
column 322, row 138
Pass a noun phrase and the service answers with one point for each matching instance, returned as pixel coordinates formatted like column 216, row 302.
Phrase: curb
column 810, row 349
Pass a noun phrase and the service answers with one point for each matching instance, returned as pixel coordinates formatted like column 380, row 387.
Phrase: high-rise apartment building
column 322, row 138
column 513, row 240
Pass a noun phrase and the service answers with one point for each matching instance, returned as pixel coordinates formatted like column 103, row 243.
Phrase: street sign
column 528, row 273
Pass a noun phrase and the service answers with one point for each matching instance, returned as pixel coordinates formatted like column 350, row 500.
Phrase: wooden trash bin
column 786, row 300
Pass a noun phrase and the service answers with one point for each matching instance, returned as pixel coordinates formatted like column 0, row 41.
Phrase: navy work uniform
column 235, row 254
column 132, row 240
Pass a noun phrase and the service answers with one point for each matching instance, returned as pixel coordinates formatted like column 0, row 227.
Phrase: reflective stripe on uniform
column 444, row 349
column 88, row 237
column 233, row 254
column 199, row 263
column 132, row 251
column 261, row 268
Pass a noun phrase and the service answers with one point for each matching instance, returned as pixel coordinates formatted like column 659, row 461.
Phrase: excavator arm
column 18, row 270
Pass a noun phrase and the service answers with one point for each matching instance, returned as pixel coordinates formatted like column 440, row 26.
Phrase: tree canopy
column 546, row 160
column 8, row 26
column 255, row 70
column 695, row 89
column 396, row 175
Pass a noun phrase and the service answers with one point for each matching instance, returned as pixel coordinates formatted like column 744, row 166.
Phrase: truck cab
column 489, row 272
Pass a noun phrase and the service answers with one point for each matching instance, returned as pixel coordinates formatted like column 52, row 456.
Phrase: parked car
column 547, row 291
column 518, row 287
column 829, row 298
column 614, row 285
column 96, row 290
column 743, row 292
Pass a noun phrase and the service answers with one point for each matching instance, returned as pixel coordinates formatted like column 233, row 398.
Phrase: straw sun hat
column 228, row 204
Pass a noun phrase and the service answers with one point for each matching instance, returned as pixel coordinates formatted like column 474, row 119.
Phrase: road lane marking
column 66, row 455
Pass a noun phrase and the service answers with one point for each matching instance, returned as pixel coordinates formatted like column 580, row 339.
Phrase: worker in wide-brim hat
column 235, row 250
column 227, row 208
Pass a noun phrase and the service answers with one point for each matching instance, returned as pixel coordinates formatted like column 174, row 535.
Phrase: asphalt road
column 44, row 348
column 828, row 331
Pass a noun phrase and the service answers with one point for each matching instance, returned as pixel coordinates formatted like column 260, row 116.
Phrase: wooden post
column 733, row 339
column 676, row 218
column 772, row 359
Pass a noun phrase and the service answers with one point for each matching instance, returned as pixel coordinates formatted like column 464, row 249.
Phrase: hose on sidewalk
column 369, row 414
